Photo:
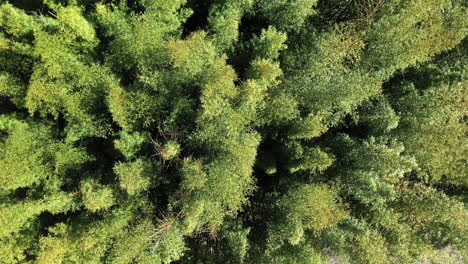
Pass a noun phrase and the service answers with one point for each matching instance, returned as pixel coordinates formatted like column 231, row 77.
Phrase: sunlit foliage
column 233, row 131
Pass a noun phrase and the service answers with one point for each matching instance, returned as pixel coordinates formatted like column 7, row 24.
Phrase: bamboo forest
column 233, row 131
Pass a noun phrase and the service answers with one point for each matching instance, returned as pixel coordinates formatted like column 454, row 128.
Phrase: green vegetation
column 233, row 131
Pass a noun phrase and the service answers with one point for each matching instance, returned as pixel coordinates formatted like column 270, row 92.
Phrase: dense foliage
column 233, row 131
